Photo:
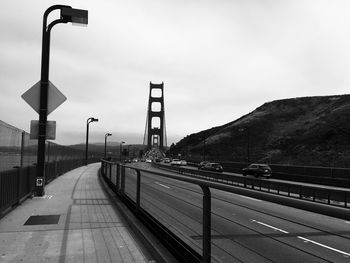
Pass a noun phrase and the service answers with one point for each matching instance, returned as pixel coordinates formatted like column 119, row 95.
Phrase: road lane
column 236, row 234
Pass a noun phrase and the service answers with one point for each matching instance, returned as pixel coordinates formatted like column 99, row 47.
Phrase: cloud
column 218, row 59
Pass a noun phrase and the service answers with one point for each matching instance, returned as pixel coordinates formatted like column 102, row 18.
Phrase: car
column 215, row 167
column 166, row 160
column 148, row 160
column 183, row 162
column 201, row 164
column 257, row 170
column 175, row 162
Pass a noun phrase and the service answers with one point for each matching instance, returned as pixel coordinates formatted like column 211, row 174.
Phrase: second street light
column 106, row 135
column 68, row 14
column 89, row 120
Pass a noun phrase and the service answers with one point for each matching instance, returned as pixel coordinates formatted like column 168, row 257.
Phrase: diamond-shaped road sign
column 55, row 97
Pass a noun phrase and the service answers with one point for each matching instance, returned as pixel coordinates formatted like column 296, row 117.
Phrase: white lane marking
column 251, row 198
column 319, row 244
column 165, row 186
column 347, row 222
column 272, row 227
column 304, row 239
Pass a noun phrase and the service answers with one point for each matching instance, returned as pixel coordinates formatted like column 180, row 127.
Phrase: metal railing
column 318, row 194
column 18, row 164
column 115, row 176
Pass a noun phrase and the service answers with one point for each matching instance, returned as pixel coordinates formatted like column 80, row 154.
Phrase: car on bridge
column 201, row 164
column 215, row 167
column 183, row 162
column 166, row 160
column 257, row 170
column 175, row 162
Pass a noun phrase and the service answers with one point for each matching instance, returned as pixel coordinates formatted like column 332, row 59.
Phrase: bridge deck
column 75, row 222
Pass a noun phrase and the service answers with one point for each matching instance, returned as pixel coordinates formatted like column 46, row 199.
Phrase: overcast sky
column 218, row 59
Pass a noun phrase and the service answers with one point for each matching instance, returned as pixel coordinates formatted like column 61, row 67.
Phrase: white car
column 148, row 160
column 175, row 162
column 183, row 162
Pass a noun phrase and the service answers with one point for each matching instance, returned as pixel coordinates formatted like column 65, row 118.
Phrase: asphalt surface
column 243, row 229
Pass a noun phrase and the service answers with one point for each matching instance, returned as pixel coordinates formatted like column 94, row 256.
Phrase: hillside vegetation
column 298, row 131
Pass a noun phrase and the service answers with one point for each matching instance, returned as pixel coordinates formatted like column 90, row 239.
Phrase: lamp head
column 93, row 119
column 76, row 16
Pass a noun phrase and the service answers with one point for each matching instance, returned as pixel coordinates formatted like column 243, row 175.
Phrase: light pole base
column 39, row 187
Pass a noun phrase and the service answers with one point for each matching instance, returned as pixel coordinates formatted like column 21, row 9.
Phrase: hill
column 298, row 131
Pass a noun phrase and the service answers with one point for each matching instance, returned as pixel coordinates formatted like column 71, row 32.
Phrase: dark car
column 215, row 167
column 257, row 170
column 201, row 164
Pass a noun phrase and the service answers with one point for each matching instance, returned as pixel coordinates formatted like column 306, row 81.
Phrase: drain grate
column 42, row 220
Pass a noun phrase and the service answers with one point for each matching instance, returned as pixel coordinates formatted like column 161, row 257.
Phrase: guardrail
column 18, row 183
column 318, row 194
column 115, row 176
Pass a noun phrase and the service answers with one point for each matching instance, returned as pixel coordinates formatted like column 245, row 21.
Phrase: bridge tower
column 155, row 132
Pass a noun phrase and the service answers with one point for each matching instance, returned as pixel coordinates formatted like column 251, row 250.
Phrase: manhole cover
column 42, row 220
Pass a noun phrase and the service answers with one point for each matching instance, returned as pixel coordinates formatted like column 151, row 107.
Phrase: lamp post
column 121, row 150
column 68, row 14
column 129, row 150
column 106, row 135
column 89, row 120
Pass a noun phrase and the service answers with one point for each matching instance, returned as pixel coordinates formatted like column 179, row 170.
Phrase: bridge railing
column 126, row 182
column 18, row 164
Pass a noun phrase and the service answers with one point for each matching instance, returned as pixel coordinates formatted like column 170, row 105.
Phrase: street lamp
column 106, row 135
column 68, row 14
column 91, row 119
column 120, row 148
column 129, row 150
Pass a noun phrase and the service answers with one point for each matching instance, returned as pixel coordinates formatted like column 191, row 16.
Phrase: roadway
column 283, row 181
column 243, row 229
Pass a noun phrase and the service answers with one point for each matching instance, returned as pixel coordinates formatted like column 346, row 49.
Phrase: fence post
column 20, row 169
column 206, row 224
column 118, row 177
column 138, row 187
column 110, row 172
column 122, row 180
column 345, row 199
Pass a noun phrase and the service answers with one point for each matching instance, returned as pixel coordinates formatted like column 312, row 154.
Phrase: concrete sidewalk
column 79, row 223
